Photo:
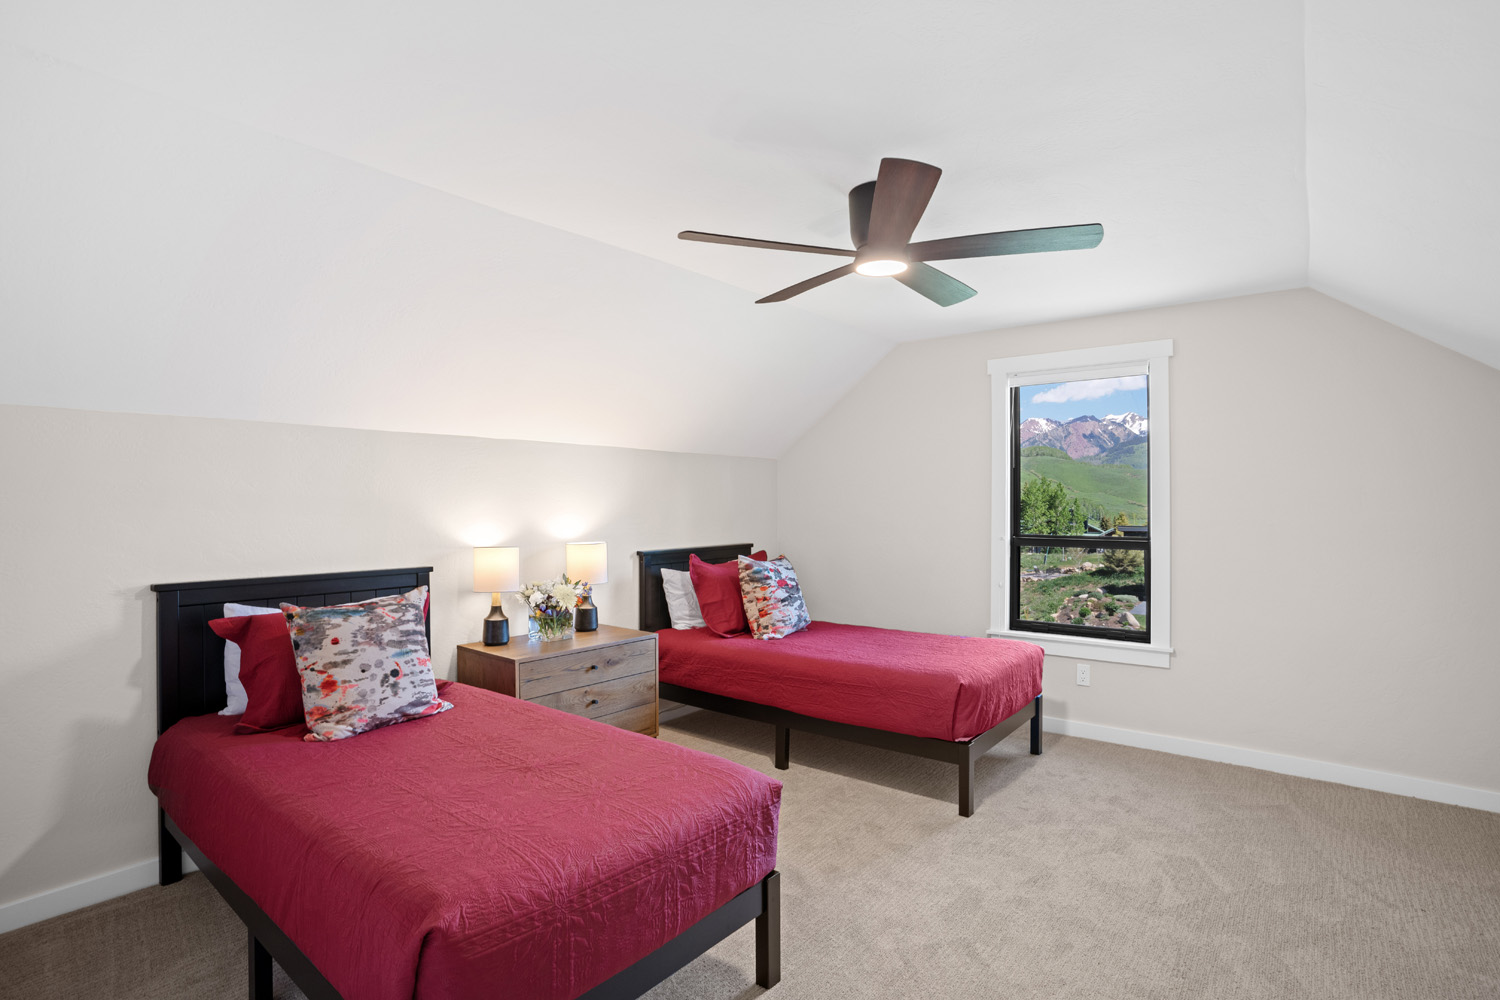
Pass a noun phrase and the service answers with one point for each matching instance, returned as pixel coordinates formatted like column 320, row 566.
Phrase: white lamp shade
column 588, row 561
column 497, row 569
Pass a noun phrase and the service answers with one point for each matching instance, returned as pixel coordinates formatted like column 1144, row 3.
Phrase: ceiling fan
column 884, row 212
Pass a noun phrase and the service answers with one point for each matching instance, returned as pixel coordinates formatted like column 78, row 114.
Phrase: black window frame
column 1019, row 541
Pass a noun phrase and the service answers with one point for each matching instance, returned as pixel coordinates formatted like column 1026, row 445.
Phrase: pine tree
column 1122, row 560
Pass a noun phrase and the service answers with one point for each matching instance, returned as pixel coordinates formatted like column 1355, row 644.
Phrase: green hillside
column 1041, row 450
column 1115, row 488
column 1131, row 453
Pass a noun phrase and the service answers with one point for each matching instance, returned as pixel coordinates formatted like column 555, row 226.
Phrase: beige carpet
column 1091, row 871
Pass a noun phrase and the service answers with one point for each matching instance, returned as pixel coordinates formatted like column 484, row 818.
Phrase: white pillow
column 238, row 700
column 682, row 599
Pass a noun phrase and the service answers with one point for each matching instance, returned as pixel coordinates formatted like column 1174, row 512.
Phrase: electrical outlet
column 1083, row 674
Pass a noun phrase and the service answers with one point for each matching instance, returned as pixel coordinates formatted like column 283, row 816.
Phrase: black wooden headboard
column 190, row 657
column 653, row 609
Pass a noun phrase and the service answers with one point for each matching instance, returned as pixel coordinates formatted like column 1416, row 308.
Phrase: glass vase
column 553, row 627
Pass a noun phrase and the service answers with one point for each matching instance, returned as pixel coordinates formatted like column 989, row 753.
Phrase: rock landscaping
column 1098, row 609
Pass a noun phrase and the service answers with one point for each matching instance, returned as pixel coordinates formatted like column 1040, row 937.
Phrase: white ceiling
column 1403, row 104
column 542, row 158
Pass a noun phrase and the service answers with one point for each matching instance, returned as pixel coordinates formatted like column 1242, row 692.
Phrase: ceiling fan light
column 882, row 268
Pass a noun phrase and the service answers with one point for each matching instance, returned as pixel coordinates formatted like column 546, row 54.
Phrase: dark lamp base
column 586, row 617
column 496, row 628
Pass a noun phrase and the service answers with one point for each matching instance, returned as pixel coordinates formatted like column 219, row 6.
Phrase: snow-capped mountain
column 1084, row 436
column 1134, row 421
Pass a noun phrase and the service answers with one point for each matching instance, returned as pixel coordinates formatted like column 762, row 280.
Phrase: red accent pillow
column 718, row 588
column 268, row 669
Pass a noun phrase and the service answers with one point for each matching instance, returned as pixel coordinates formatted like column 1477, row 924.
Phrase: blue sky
column 1065, row 400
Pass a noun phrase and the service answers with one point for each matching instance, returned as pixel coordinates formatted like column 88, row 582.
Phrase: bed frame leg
column 260, row 970
column 768, row 933
column 783, row 747
column 1036, row 728
column 966, row 782
column 168, row 853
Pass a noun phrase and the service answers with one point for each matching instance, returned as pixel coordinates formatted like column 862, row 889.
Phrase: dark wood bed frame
column 654, row 617
column 190, row 681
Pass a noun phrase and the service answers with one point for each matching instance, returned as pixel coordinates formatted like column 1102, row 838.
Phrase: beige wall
column 1321, row 432
column 1320, row 438
column 96, row 507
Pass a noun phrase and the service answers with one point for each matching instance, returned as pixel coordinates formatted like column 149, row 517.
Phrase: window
column 1081, row 548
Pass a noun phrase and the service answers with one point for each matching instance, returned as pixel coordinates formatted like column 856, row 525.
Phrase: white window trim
column 1148, row 359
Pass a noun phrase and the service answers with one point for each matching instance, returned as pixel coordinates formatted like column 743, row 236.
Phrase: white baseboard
column 1301, row 767
column 87, row 892
column 1262, row 760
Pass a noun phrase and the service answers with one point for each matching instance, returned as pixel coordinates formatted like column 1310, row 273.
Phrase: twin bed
column 948, row 698
column 508, row 849
column 499, row 849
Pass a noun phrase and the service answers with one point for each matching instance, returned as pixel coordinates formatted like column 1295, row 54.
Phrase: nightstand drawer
column 588, row 666
column 608, row 675
column 592, row 701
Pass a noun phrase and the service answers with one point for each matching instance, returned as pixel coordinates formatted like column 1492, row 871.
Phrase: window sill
column 1093, row 649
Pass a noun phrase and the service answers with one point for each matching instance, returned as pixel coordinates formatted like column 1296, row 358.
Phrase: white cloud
column 1096, row 388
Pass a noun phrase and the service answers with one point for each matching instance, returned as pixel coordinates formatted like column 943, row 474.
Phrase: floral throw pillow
column 773, row 598
column 363, row 666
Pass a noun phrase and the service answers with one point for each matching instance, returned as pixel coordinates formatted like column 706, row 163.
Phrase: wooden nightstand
column 608, row 675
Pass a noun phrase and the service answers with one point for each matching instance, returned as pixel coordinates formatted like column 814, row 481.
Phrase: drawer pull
column 593, row 702
column 592, row 666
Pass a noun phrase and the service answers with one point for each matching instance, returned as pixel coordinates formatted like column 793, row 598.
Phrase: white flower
column 564, row 595
column 535, row 598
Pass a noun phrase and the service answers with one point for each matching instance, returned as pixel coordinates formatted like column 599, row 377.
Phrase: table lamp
column 588, row 562
column 497, row 570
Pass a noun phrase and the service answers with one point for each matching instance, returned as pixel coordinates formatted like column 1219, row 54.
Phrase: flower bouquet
column 550, row 604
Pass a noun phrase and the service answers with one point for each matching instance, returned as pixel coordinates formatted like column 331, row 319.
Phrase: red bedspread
column 500, row 849
column 943, row 686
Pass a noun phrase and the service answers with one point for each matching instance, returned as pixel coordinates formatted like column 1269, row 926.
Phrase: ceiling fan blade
column 902, row 191
column 803, row 286
column 742, row 241
column 1014, row 241
column 860, row 199
column 944, row 289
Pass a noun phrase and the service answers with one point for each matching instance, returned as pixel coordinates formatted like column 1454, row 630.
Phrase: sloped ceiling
column 461, row 217
column 1403, row 151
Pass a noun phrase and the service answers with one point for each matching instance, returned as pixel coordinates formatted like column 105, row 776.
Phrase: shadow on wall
column 99, row 797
